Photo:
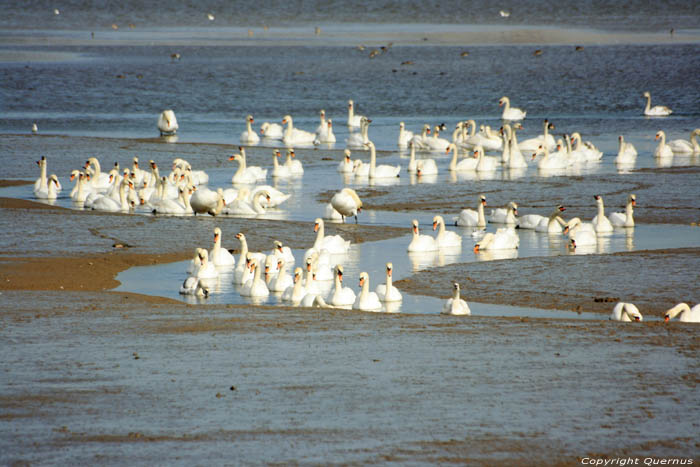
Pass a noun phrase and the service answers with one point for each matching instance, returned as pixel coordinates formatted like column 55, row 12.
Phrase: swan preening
column 657, row 110
column 347, row 203
column 167, row 123
column 685, row 313
column 625, row 312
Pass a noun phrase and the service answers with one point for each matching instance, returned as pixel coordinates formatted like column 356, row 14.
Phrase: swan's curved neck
column 453, row 162
column 42, row 176
column 388, row 281
column 412, row 160
column 275, row 163
column 481, row 219
column 351, row 113
column 241, row 165
column 290, row 128
column 648, row 106
column 338, row 283
column 441, row 229
column 601, row 208
column 244, row 250
column 248, row 126
column 455, row 295
column 256, row 202
column 472, row 125
column 505, row 156
column 694, row 140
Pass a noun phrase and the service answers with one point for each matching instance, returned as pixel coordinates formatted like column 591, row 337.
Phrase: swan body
column 420, row 141
column 322, row 123
column 242, row 269
column 295, row 166
column 510, row 113
column 554, row 223
column 405, row 136
column 167, row 123
column 625, row 312
column 245, row 174
column 657, row 110
column 456, row 305
column 331, row 214
column 465, row 165
column 294, row 136
column 663, row 150
column 296, row 292
column 445, row 238
column 353, row 120
column 366, row 300
column 533, row 144
column 255, row 287
column 283, row 252
column 380, row 171
column 503, row 239
column 347, row 203
column 472, row 218
column 422, row 166
column 601, row 224
column 487, row 139
column 553, row 161
column 333, row 244
column 581, row 234
column 272, row 130
column 220, row 256
column 512, row 156
column 249, row 136
column 421, row 243
column 484, row 163
column 278, row 170
column 585, row 152
column 99, row 180
column 435, row 143
column 684, row 312
column 341, row 296
column 283, row 280
column 530, row 221
column 41, row 184
column 172, row 206
column 326, row 136
column 626, row 153
column 626, row 219
column 360, row 138
column 387, row 292
column 109, row 204
column 193, row 286
column 346, row 165
column 505, row 215
column 204, row 200
column 686, row 146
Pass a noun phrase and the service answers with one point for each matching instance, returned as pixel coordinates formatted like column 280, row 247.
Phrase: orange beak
column 434, row 225
column 476, row 248
column 415, row 229
column 316, row 227
column 362, row 281
column 216, row 237
column 666, row 319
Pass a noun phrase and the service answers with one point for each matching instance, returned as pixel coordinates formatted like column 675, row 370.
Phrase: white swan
column 99, row 180
column 580, row 233
column 341, row 296
column 533, row 143
column 467, row 164
column 484, row 163
column 167, row 123
column 347, row 203
column 553, row 224
column 272, row 130
column 333, row 244
column 663, row 150
column 193, row 286
column 322, row 125
column 81, row 190
column 181, row 205
column 625, row 312
column 249, row 136
column 109, row 204
column 345, row 166
column 327, row 136
column 512, row 156
column 657, row 110
column 41, row 184
column 445, row 238
column 52, row 189
column 555, row 161
column 245, row 255
column 380, row 171
column 510, row 113
column 503, row 239
column 505, row 215
column 283, row 280
column 353, row 120
column 421, row 243
column 279, row 170
column 601, row 224
column 686, row 146
column 296, row 292
column 585, row 152
column 294, row 136
column 360, row 138
column 255, row 287
column 295, row 166
column 419, row 141
column 220, row 256
column 206, row 273
column 472, row 218
column 456, row 305
column 687, row 314
column 244, row 174
column 435, row 143
column 387, row 292
column 204, row 200
column 405, row 136
column 366, row 300
column 625, row 219
column 280, row 251
column 626, row 152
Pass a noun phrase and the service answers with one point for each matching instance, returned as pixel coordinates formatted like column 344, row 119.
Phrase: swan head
column 339, row 272
column 347, row 155
column 364, row 278
column 633, row 199
column 455, row 287
column 280, row 264
column 278, row 245
column 572, row 244
column 350, row 104
column 503, row 100
column 646, row 94
column 291, row 153
column 479, row 150
column 330, row 123
column 389, row 268
column 573, row 222
column 660, row 134
column 235, row 157
column 598, row 199
column 402, row 125
column 297, row 274
column 264, row 127
column 438, row 220
column 482, row 200
column 318, row 223
column 249, row 118
column 560, row 208
column 322, row 113
column 286, row 118
column 514, row 206
column 414, row 226
column 217, row 233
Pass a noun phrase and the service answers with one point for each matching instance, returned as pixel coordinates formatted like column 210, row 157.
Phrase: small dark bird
column 537, row 52
column 464, row 54
column 579, row 48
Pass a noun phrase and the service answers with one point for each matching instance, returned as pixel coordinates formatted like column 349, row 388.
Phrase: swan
column 472, row 218
column 421, row 243
column 601, row 224
column 503, row 239
column 197, row 177
column 204, row 200
column 295, row 166
column 625, row 312
column 435, row 143
column 353, row 120
column 581, row 234
column 255, row 287
column 366, row 300
column 283, row 252
column 41, row 184
column 204, row 271
column 341, row 296
column 283, row 280
column 99, row 180
column 167, row 123
column 465, row 165
column 220, row 256
column 510, row 113
column 347, row 203
column 663, row 150
column 193, row 286
column 346, row 165
column 657, row 110
column 687, row 314
column 626, row 153
column 333, row 244
column 109, row 204
column 244, row 174
column 511, row 156
column 272, row 130
column 327, row 136
column 255, row 207
column 445, row 238
column 52, row 189
column 172, row 206
column 455, row 305
column 380, row 171
column 387, row 292
column 533, row 144
column 626, row 219
column 552, row 224
column 484, row 163
column 554, row 161
column 239, row 273
column 310, row 284
column 249, row 136
column 586, row 152
column 358, row 139
column 488, row 139
column 140, row 176
column 426, row 167
column 296, row 292
column 322, row 126
column 279, row 171
column 419, row 141
column 294, row 136
column 505, row 215
column 405, row 136
column 82, row 191
column 686, row 146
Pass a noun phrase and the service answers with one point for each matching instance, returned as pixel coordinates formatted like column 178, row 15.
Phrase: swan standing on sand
column 366, row 300
column 249, row 136
column 387, row 292
column 353, row 120
column 347, row 203
column 601, row 224
column 510, row 113
column 626, row 219
column 625, row 312
column 687, row 314
column 686, row 146
column 341, row 296
column 167, row 123
column 294, row 136
column 445, row 238
column 657, row 110
column 626, row 152
column 503, row 239
column 472, row 218
column 405, row 136
column 380, row 171
column 421, row 243
column 220, row 256
column 456, row 305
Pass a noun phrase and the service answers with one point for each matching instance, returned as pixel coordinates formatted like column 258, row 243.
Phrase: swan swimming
column 510, row 113
column 625, row 312
column 445, row 238
column 472, row 218
column 456, row 305
column 686, row 314
column 421, row 243
column 657, row 110
column 387, row 292
column 167, row 123
column 249, row 136
column 625, row 219
column 366, row 300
